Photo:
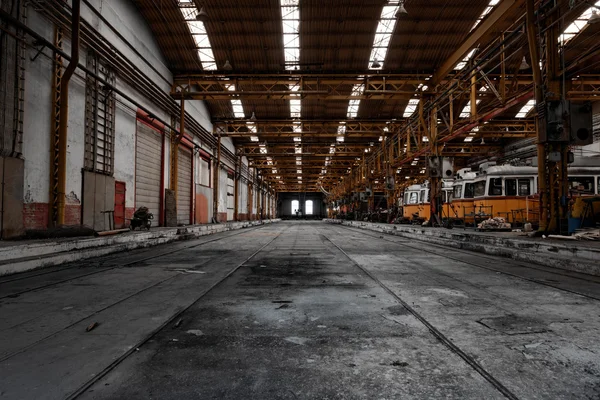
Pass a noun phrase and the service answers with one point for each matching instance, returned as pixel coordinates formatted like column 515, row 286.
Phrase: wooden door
column 119, row 205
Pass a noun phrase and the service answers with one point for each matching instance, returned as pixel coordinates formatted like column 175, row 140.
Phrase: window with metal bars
column 99, row 118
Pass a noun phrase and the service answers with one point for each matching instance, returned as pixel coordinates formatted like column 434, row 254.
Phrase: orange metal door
column 119, row 205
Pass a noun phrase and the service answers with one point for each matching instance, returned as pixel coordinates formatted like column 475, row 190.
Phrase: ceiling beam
column 490, row 24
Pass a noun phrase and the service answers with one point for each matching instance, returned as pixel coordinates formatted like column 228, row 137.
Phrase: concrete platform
column 299, row 310
column 20, row 256
column 578, row 256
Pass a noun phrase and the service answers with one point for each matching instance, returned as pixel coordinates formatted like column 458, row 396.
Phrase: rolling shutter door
column 184, row 186
column 148, row 169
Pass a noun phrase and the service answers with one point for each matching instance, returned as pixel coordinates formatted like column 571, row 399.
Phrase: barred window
column 99, row 118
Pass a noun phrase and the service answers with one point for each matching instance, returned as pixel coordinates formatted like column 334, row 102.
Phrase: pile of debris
column 494, row 224
column 588, row 234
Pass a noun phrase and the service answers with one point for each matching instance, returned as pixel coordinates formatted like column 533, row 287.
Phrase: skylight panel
column 353, row 108
column 238, row 109
column 296, row 108
column 383, row 34
column 465, row 61
column 526, row 109
column 493, row 3
column 199, row 34
column 411, row 108
column 290, row 17
column 578, row 25
column 488, row 9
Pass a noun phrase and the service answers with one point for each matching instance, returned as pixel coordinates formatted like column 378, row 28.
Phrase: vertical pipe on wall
column 216, row 180
column 236, row 189
column 64, row 112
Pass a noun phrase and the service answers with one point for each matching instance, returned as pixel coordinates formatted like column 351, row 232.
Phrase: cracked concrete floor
column 318, row 314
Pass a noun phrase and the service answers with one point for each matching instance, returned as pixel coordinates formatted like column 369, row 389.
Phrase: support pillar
column 236, row 189
column 216, row 181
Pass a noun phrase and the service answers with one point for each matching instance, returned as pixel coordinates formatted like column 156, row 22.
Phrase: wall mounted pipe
column 43, row 41
column 64, row 111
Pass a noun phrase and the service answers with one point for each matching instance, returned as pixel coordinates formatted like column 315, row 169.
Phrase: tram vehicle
column 417, row 202
column 511, row 191
column 462, row 194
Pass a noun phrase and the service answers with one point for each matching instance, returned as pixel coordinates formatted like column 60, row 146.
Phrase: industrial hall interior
column 299, row 199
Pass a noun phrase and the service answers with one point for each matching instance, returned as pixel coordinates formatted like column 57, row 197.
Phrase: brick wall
column 73, row 214
column 35, row 215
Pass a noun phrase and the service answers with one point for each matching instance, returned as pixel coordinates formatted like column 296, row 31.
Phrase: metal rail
column 434, row 331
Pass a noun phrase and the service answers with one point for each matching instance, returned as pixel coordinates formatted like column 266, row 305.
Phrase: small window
column 524, row 187
column 309, row 207
column 447, row 196
column 510, row 187
column 581, row 184
column 479, row 189
column 495, row 187
column 414, row 198
column 458, row 192
column 469, row 190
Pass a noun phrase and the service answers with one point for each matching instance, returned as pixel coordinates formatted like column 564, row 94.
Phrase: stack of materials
column 494, row 224
column 588, row 234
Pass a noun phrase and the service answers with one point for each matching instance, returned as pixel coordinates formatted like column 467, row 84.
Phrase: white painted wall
column 124, row 16
column 37, row 130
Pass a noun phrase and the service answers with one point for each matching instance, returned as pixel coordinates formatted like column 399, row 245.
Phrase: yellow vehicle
column 511, row 191
column 506, row 191
column 417, row 202
column 462, row 196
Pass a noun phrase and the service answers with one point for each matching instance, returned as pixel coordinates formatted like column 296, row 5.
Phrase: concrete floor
column 299, row 310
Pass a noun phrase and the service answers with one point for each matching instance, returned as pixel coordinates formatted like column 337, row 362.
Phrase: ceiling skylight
column 383, row 34
column 488, row 9
column 578, row 25
column 466, row 111
column 465, row 61
column 198, row 30
column 526, row 109
column 290, row 17
column 411, row 107
column 461, row 65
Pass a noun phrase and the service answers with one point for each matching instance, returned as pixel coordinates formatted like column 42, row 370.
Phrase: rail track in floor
column 434, row 331
column 170, row 320
column 117, row 302
column 590, row 279
column 101, row 269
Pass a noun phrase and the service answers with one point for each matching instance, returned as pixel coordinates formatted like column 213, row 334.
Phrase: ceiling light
column 482, row 141
column 462, row 150
column 227, row 66
column 524, row 64
column 253, row 116
column 376, row 65
column 401, row 10
column 594, row 18
column 202, row 15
